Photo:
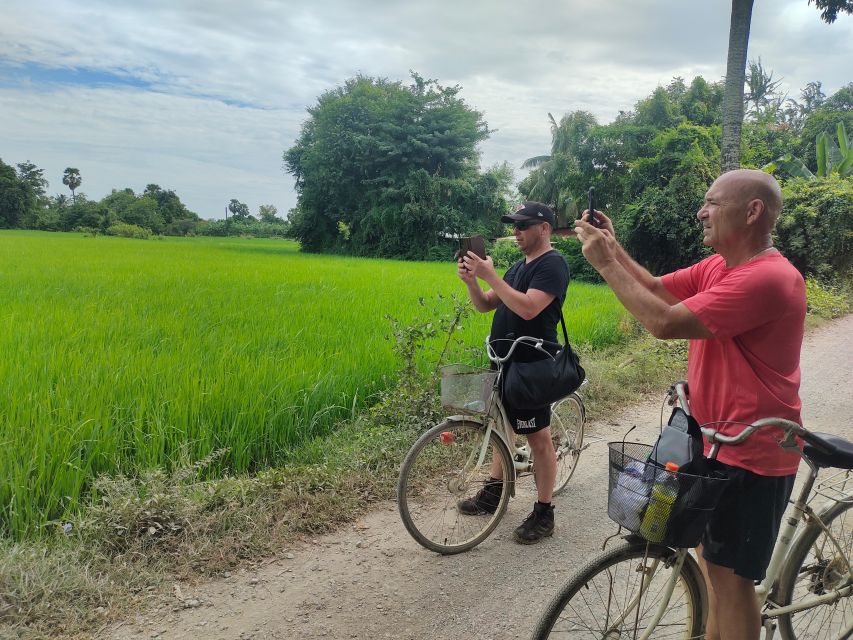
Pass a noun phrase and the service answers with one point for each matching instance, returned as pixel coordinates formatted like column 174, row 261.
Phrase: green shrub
column 128, row 231
column 505, row 253
column 815, row 229
column 579, row 268
column 825, row 301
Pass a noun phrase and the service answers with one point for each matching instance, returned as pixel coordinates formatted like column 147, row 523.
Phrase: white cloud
column 515, row 61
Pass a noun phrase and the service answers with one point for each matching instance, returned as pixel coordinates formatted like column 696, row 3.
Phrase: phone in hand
column 593, row 219
column 474, row 243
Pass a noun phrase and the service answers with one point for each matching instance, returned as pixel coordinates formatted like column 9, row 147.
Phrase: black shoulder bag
column 531, row 385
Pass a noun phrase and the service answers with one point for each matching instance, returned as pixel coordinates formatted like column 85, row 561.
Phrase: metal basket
column 667, row 507
column 466, row 389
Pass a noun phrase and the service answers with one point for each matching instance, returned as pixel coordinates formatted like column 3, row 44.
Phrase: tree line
column 392, row 170
column 25, row 204
column 652, row 165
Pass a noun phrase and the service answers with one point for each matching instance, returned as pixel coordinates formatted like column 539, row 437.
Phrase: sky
column 204, row 97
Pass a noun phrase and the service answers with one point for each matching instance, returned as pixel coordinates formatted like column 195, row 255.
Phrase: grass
column 120, row 355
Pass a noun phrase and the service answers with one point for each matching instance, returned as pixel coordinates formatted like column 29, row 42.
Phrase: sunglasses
column 523, row 225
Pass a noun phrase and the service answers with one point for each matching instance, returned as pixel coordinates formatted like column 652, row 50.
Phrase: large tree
column 733, row 105
column 387, row 169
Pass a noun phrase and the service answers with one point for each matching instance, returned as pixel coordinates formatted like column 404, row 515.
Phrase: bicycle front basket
column 667, row 507
column 466, row 389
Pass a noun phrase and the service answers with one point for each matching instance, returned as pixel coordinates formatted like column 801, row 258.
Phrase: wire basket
column 667, row 507
column 466, row 389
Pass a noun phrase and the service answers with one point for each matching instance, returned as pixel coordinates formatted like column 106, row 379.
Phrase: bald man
column 743, row 310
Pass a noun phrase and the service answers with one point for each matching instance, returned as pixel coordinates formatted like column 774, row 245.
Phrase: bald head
column 746, row 185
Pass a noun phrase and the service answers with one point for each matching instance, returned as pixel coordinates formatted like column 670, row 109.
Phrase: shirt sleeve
column 683, row 283
column 745, row 299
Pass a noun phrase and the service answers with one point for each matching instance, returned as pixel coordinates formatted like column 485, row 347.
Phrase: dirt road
column 371, row 580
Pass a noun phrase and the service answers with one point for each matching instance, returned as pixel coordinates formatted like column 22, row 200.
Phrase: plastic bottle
column 630, row 496
column 664, row 492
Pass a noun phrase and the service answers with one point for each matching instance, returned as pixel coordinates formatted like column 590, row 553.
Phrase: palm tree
column 71, row 179
column 736, row 72
column 735, row 78
column 549, row 186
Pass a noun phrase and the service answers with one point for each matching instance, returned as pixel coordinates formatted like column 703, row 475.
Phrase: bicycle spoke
column 821, row 569
column 609, row 604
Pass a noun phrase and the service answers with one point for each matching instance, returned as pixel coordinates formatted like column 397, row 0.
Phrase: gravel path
column 371, row 580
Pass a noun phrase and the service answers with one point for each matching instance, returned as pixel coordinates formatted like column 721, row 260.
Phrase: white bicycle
column 452, row 459
column 641, row 589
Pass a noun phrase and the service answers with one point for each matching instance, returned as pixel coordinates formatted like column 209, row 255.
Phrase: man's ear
column 755, row 211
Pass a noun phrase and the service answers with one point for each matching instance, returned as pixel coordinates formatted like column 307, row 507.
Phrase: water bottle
column 664, row 492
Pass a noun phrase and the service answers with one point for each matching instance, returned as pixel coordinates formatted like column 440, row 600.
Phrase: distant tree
column 269, row 213
column 30, row 173
column 71, row 179
column 170, row 208
column 17, row 198
column 239, row 210
column 763, row 90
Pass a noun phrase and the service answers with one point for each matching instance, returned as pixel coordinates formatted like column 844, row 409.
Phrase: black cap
column 532, row 211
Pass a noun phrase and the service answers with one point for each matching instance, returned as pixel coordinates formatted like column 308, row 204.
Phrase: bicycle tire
column 813, row 566
column 568, row 417
column 580, row 611
column 433, row 478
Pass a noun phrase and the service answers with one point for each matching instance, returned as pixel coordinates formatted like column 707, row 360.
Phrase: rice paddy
column 118, row 355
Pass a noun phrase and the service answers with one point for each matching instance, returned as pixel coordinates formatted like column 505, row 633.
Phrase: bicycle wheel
column 567, row 421
column 814, row 567
column 617, row 595
column 448, row 463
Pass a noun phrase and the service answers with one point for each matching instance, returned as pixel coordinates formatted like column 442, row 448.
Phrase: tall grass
column 118, row 355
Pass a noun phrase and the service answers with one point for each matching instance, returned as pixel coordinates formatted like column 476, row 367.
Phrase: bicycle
column 640, row 589
column 452, row 459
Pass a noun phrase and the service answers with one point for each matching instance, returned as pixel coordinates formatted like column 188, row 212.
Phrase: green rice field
column 118, row 354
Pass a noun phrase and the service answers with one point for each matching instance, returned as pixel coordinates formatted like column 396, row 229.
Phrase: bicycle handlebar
column 536, row 343
column 679, row 393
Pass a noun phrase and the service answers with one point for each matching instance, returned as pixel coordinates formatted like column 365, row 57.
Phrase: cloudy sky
column 203, row 97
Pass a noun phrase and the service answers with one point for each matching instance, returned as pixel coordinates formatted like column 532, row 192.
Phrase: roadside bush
column 815, row 229
column 825, row 301
column 128, row 231
column 505, row 253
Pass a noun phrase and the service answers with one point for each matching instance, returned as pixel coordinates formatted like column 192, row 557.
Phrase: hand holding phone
column 593, row 219
column 475, row 244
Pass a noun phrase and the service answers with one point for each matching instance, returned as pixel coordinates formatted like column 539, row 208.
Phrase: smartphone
column 594, row 220
column 475, row 244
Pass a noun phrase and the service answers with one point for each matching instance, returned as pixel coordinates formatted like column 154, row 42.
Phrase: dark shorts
column 742, row 531
column 526, row 421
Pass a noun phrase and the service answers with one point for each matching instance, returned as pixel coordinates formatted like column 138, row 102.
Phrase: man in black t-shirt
column 527, row 302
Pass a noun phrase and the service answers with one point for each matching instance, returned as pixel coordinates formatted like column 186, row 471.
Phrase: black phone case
column 475, row 244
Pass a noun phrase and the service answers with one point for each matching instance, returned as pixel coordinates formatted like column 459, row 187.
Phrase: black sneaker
column 485, row 501
column 539, row 524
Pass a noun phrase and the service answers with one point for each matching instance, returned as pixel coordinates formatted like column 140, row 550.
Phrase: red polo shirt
column 750, row 369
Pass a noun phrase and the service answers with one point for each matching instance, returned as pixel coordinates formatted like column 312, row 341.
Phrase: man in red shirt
column 743, row 310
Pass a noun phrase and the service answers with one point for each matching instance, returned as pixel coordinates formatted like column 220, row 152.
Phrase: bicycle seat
column 829, row 451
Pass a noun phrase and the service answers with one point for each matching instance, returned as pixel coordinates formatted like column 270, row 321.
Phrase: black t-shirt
column 549, row 273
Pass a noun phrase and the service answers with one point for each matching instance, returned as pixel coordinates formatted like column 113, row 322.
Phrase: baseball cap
column 532, row 211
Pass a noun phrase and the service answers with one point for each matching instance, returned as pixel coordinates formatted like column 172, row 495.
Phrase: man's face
column 723, row 215
column 528, row 235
